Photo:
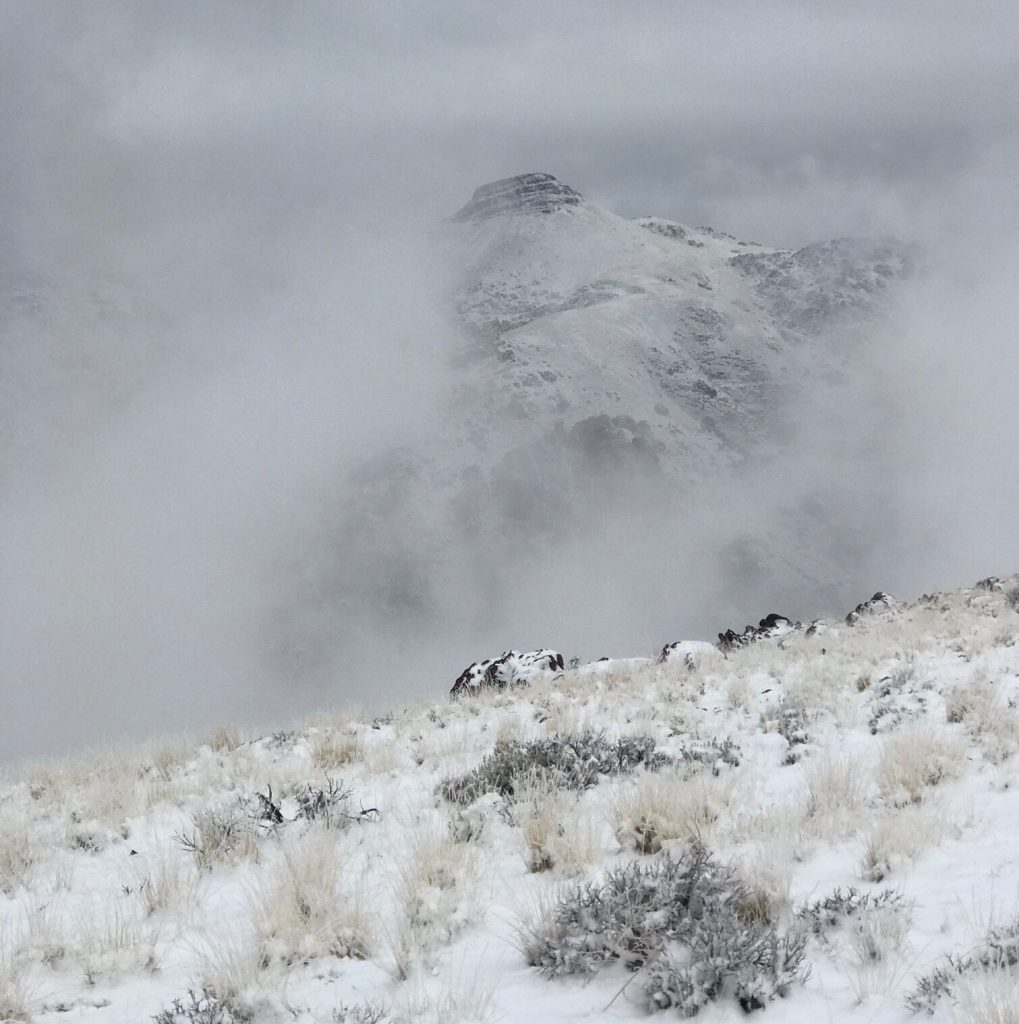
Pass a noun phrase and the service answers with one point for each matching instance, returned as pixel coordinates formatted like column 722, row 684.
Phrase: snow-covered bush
column 997, row 953
column 362, row 1013
column 216, row 836
column 568, row 762
column 789, row 719
column 680, row 918
column 328, row 803
column 709, row 754
column 897, row 697
column 202, row 1008
column 829, row 913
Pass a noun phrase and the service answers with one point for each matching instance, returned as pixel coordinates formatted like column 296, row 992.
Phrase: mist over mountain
column 308, row 397
column 621, row 397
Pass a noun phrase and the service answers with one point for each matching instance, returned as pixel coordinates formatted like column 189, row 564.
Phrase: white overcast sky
column 263, row 173
column 187, row 125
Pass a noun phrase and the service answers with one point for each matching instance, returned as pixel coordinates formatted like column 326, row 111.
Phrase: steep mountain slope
column 817, row 826
column 695, row 346
column 638, row 393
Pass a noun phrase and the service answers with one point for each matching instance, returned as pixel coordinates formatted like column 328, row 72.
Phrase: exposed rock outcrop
column 770, row 627
column 880, row 602
column 511, row 668
column 524, row 193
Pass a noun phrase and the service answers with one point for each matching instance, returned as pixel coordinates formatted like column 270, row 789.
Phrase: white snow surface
column 879, row 755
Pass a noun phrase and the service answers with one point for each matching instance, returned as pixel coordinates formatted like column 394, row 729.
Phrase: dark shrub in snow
column 709, row 754
column 998, row 952
column 827, row 914
column 683, row 919
column 206, row 1008
column 569, row 762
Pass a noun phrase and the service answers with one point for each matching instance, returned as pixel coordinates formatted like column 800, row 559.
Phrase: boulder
column 876, row 605
column 511, row 668
column 770, row 627
column 687, row 651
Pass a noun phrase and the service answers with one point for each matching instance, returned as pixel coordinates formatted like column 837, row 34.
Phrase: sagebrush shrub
column 998, row 952
column 900, row 696
column 828, row 913
column 362, row 1013
column 565, row 762
column 329, row 804
column 203, row 1008
column 682, row 919
column 710, row 754
column 789, row 719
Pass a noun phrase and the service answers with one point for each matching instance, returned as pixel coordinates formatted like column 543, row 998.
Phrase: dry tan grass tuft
column 18, row 856
column 110, row 945
column 167, row 883
column 331, row 749
column 892, row 841
column 980, row 707
column 915, row 759
column 986, row 997
column 836, row 786
column 660, row 808
column 225, row 739
column 305, row 908
column 558, row 834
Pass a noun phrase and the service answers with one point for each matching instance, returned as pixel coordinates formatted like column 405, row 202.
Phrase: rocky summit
column 524, row 193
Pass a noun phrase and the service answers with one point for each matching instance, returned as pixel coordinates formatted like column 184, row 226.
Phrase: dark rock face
column 772, row 625
column 880, row 602
column 525, row 193
column 512, row 668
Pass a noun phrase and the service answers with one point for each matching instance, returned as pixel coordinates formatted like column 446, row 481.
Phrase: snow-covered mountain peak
column 535, row 192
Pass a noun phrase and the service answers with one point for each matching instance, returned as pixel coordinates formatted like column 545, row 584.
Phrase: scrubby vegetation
column 685, row 921
column 855, row 785
column 564, row 762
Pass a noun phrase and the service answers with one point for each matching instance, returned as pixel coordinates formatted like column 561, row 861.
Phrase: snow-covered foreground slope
column 356, row 870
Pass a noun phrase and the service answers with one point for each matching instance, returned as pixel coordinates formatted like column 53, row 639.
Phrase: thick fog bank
column 227, row 353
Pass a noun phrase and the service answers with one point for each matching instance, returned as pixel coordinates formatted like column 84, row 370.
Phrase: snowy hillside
column 817, row 825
